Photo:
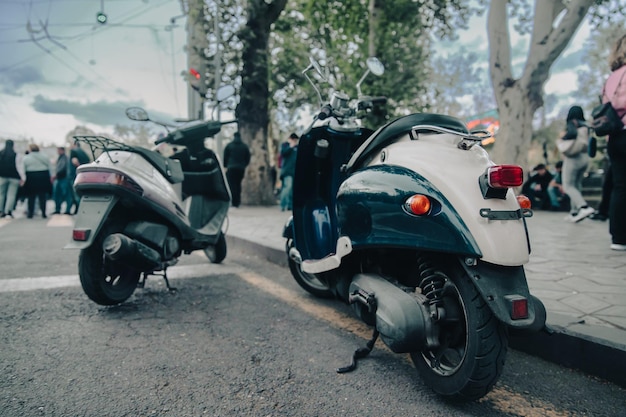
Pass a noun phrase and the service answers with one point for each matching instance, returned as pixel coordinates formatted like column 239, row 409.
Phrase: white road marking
column 173, row 273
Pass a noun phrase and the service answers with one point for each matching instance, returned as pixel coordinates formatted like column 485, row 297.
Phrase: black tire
column 217, row 253
column 310, row 282
column 473, row 346
column 105, row 282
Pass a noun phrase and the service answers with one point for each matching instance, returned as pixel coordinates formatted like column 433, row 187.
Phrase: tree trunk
column 519, row 99
column 374, row 21
column 252, row 111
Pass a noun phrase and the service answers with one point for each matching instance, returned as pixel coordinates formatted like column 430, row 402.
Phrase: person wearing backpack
column 615, row 91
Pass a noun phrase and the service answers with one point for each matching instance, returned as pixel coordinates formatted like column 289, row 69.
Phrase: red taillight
column 418, row 204
column 519, row 307
column 505, row 176
column 81, row 235
column 107, row 177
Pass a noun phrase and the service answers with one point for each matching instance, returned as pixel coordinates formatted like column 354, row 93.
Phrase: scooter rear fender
column 499, row 286
column 370, row 211
column 93, row 211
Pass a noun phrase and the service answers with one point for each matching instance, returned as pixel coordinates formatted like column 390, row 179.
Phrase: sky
column 59, row 68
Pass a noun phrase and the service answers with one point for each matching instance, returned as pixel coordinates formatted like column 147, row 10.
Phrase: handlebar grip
column 326, row 112
column 162, row 140
column 379, row 100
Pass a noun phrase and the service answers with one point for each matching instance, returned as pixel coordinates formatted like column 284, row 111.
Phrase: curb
column 595, row 350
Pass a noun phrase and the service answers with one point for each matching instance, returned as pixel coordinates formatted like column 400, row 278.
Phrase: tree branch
column 549, row 41
column 499, row 45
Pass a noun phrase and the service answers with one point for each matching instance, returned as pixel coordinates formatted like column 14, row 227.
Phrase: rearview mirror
column 224, row 92
column 375, row 66
column 137, row 113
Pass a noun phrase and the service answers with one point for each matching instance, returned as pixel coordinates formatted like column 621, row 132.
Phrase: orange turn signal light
column 523, row 201
column 418, row 204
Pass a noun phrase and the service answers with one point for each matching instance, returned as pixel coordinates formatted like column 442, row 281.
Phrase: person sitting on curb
column 536, row 188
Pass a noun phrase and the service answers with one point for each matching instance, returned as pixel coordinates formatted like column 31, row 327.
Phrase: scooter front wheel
column 105, row 282
column 472, row 344
column 217, row 253
column 309, row 282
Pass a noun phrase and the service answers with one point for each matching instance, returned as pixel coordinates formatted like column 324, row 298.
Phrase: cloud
column 102, row 113
column 13, row 79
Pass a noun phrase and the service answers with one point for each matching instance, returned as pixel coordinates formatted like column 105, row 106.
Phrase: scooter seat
column 169, row 168
column 391, row 131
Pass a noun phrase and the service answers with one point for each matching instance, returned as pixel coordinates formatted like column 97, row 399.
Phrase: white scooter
column 139, row 211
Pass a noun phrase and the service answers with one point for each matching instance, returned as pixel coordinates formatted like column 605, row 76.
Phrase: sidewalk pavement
column 580, row 280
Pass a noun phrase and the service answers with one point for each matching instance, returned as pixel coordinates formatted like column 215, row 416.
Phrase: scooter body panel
column 315, row 186
column 94, row 209
column 197, row 214
column 370, row 210
column 446, row 170
column 155, row 187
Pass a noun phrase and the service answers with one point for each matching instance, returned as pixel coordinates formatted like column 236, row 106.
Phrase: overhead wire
column 81, row 36
column 76, row 38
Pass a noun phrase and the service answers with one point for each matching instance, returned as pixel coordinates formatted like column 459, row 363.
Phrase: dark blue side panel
column 370, row 211
column 315, row 188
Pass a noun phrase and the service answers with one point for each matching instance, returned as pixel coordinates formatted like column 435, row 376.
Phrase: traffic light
column 195, row 80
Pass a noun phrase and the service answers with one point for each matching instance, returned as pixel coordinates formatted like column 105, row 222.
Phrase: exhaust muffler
column 403, row 322
column 123, row 249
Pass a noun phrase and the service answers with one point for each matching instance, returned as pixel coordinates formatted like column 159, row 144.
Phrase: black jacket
column 61, row 168
column 236, row 154
column 8, row 166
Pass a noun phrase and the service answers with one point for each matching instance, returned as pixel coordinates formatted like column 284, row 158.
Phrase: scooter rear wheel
column 217, row 253
column 473, row 345
column 105, row 282
column 310, row 282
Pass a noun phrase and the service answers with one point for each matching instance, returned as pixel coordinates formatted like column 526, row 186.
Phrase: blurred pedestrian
column 288, row 156
column 559, row 200
column 236, row 159
column 62, row 192
column 615, row 92
column 9, row 179
column 78, row 157
column 38, row 183
column 575, row 166
column 602, row 212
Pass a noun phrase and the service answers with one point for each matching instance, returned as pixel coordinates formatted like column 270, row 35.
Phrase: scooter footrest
column 332, row 261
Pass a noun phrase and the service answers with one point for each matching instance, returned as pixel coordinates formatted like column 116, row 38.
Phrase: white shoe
column 617, row 246
column 583, row 213
column 570, row 217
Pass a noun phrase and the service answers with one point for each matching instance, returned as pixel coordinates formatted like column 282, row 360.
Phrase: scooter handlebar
column 369, row 102
column 326, row 112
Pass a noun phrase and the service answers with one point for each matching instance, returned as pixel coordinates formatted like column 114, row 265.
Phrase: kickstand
column 163, row 275
column 360, row 353
column 167, row 283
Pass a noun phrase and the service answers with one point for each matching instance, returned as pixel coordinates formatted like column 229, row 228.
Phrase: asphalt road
column 237, row 339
